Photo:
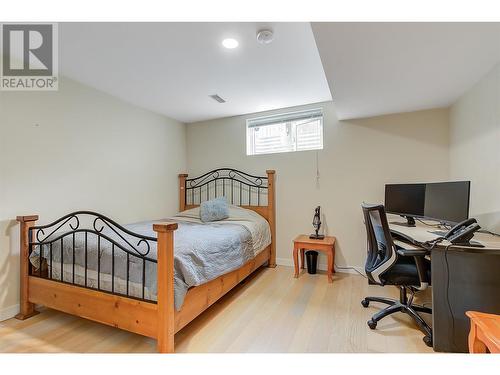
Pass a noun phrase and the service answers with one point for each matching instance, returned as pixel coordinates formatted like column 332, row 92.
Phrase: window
column 297, row 131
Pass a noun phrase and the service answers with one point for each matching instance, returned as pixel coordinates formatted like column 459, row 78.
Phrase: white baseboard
column 323, row 267
column 8, row 312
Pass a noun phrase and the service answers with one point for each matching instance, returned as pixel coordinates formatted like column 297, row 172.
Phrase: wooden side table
column 484, row 332
column 303, row 242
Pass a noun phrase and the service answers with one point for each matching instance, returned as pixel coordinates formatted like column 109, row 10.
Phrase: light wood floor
column 270, row 312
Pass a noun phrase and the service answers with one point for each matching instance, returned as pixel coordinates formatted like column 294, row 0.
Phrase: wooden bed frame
column 158, row 319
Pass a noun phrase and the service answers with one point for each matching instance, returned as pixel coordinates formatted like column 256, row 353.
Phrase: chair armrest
column 419, row 256
column 408, row 247
column 413, row 252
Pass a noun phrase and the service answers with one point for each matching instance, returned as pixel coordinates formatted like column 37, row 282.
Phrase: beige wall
column 475, row 147
column 79, row 148
column 358, row 158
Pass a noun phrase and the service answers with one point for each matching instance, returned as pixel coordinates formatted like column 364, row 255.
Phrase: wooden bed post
column 182, row 192
column 165, row 287
column 272, row 216
column 27, row 309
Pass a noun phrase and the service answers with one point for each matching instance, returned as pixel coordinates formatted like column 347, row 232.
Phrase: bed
column 130, row 277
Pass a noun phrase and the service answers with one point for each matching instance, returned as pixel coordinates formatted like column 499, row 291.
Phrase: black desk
column 463, row 278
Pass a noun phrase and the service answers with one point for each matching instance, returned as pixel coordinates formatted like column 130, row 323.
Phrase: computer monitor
column 406, row 200
column 447, row 202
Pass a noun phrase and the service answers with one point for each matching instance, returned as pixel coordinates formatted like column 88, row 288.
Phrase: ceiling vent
column 217, row 98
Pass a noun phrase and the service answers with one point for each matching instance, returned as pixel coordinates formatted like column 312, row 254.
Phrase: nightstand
column 303, row 242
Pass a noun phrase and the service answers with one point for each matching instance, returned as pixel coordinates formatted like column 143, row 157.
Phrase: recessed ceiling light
column 230, row 43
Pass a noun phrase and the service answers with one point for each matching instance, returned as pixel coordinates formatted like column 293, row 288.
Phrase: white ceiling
column 380, row 68
column 172, row 68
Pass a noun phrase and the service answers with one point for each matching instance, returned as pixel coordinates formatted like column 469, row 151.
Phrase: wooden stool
column 303, row 243
column 484, row 332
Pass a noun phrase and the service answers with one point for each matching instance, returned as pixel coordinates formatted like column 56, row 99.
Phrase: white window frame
column 288, row 118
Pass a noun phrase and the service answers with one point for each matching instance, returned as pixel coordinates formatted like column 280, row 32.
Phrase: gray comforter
column 202, row 252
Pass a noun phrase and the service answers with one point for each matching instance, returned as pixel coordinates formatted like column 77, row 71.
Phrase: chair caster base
column 404, row 305
column 428, row 341
column 372, row 324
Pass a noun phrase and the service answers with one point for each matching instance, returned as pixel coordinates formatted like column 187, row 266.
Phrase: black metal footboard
column 84, row 247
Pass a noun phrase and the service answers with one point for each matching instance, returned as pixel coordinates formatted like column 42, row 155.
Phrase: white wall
column 358, row 158
column 79, row 148
column 475, row 147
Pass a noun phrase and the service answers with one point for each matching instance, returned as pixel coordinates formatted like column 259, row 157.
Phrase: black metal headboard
column 238, row 187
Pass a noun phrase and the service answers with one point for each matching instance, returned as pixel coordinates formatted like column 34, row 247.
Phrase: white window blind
column 296, row 131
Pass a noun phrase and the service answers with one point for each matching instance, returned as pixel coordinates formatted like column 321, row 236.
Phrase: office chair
column 388, row 264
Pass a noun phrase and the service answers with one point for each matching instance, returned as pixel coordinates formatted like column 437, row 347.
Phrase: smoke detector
column 265, row 36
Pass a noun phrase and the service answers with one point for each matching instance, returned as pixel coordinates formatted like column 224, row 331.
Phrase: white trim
column 322, row 266
column 283, row 117
column 8, row 312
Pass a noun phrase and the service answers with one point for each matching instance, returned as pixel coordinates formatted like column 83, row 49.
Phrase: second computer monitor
column 444, row 201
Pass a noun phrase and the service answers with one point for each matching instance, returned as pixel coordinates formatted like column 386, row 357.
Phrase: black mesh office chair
column 388, row 264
